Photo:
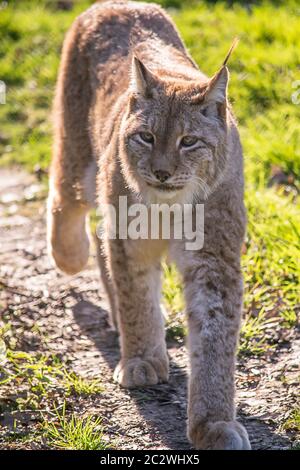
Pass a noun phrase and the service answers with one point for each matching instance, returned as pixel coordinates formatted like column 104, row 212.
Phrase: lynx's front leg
column 214, row 292
column 144, row 359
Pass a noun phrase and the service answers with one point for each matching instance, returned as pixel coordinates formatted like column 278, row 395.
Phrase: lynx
column 134, row 116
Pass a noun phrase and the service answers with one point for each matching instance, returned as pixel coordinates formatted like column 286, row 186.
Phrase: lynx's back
column 110, row 32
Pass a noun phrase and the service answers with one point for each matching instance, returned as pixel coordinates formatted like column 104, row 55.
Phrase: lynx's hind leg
column 107, row 283
column 68, row 240
column 73, row 170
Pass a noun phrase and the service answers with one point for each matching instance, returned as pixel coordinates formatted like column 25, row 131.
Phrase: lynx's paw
column 70, row 260
column 70, row 253
column 138, row 372
column 68, row 242
column 220, row 435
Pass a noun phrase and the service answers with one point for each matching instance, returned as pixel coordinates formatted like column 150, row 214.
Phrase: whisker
column 202, row 185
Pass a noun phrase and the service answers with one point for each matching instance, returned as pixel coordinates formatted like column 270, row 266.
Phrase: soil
column 71, row 317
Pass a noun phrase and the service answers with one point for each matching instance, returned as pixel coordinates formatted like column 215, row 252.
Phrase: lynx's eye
column 188, row 141
column 147, row 137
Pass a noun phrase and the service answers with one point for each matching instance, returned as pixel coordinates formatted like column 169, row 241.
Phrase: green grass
column 40, row 384
column 29, row 58
column 40, row 379
column 74, row 433
column 263, row 69
column 292, row 423
column 174, row 303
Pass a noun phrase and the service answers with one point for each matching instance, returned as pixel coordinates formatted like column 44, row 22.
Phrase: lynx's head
column 174, row 133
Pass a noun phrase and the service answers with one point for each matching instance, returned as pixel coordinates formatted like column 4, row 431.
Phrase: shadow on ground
column 163, row 407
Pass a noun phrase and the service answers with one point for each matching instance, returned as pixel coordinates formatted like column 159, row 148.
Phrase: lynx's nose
column 162, row 175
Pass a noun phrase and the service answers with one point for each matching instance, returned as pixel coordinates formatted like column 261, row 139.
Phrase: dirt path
column 71, row 321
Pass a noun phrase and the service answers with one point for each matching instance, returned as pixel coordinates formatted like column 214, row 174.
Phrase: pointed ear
column 142, row 80
column 217, row 86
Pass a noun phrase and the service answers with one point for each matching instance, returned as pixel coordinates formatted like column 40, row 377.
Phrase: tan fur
column 124, row 69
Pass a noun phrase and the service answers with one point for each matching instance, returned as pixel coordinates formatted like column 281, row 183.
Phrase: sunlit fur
column 124, row 69
column 169, row 115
